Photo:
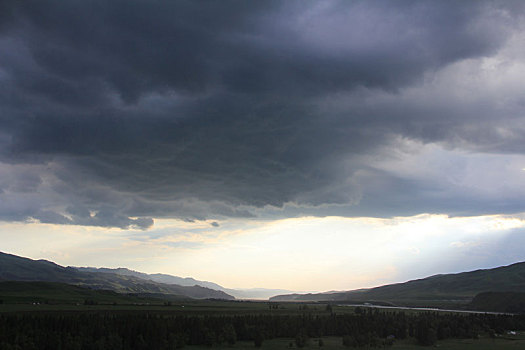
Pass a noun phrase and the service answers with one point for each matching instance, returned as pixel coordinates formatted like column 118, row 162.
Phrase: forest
column 160, row 330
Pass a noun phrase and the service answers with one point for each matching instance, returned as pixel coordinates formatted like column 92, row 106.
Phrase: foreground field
column 509, row 342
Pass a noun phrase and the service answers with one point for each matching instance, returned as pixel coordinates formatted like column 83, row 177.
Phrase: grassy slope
column 60, row 293
column 434, row 290
column 512, row 302
column 457, row 286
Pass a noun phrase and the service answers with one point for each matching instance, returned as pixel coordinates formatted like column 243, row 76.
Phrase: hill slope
column 61, row 293
column 459, row 287
column 513, row 302
column 15, row 268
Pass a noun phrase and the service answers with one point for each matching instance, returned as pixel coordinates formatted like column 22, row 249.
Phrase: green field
column 187, row 307
column 49, row 299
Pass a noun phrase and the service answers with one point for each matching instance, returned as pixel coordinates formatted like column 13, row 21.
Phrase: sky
column 303, row 145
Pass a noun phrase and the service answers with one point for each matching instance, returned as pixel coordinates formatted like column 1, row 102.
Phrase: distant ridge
column 16, row 268
column 123, row 280
column 157, row 277
column 248, row 293
column 459, row 288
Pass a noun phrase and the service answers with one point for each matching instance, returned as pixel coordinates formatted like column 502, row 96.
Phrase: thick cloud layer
column 113, row 113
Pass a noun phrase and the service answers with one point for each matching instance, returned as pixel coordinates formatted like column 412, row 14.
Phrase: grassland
column 183, row 307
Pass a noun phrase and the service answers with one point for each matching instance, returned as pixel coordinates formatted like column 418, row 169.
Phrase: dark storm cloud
column 192, row 109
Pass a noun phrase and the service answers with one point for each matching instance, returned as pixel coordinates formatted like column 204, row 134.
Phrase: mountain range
column 15, row 268
column 247, row 293
column 122, row 280
column 501, row 288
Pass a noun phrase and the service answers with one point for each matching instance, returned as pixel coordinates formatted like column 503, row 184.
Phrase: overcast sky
column 181, row 134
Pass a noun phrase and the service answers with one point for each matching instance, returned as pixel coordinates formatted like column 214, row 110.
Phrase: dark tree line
column 106, row 330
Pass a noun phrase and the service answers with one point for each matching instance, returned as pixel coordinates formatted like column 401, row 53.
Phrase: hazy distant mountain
column 458, row 287
column 157, row 277
column 248, row 293
column 15, row 268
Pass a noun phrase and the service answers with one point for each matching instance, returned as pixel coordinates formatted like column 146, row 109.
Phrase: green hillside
column 512, row 302
column 13, row 292
column 459, row 288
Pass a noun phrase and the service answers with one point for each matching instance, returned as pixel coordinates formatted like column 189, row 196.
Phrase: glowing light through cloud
column 305, row 254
